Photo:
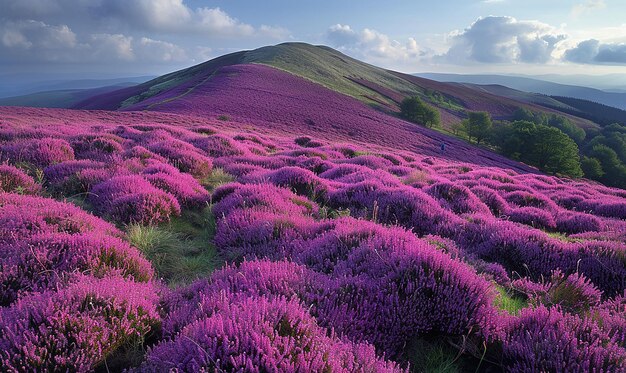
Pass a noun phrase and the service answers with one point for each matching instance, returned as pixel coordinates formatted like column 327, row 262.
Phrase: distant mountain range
column 59, row 93
column 63, row 98
column 615, row 99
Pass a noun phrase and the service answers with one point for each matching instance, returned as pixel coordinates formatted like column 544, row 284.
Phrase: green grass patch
column 433, row 355
column 508, row 302
column 181, row 250
column 216, row 178
column 562, row 237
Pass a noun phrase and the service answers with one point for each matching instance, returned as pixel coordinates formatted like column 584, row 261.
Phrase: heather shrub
column 316, row 165
column 77, row 328
column 456, row 198
column 407, row 207
column 392, row 287
column 352, row 174
column 13, row 180
column 259, row 234
column 573, row 293
column 133, row 199
column 250, row 279
column 300, row 181
column 39, row 152
column 144, row 154
column 184, row 156
column 370, row 161
column 149, row 207
column 58, row 173
column 578, row 223
column 97, row 147
column 526, row 199
column 610, row 316
column 259, row 196
column 184, row 187
column 219, row 146
column 492, row 199
column 24, row 216
column 260, row 334
column 47, row 261
column 532, row 216
column 548, row 340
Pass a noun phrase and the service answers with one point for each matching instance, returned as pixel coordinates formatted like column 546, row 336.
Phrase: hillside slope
column 333, row 256
column 372, row 85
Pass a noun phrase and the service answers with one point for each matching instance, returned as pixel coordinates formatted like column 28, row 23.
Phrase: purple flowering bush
column 14, row 180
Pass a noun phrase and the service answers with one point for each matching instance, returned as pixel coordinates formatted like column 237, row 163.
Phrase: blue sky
column 130, row 37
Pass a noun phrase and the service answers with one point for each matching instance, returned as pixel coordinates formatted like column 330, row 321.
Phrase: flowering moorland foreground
column 329, row 257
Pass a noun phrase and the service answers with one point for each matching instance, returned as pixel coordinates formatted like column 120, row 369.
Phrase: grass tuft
column 180, row 250
column 507, row 302
column 216, row 178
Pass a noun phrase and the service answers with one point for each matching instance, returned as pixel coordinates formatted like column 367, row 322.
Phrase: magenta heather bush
column 184, row 156
column 407, row 207
column 547, row 340
column 58, row 173
column 45, row 261
column 259, row 196
column 24, row 216
column 96, row 147
column 77, row 328
column 524, row 199
column 250, row 279
column 184, row 187
column 578, row 223
column 149, row 207
column 14, row 180
column 391, row 288
column 530, row 252
column 219, row 146
column 492, row 199
column 573, row 293
column 532, row 216
column 39, row 152
column 143, row 154
column 352, row 174
column 260, row 334
column 457, row 198
column 369, row 161
column 249, row 233
column 300, row 181
column 133, row 199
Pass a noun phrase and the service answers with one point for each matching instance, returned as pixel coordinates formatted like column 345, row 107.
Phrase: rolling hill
column 331, row 69
column 614, row 99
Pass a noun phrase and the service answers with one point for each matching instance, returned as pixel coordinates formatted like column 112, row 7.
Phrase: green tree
column 415, row 110
column 614, row 170
column 592, row 168
column 478, row 125
column 569, row 128
column 554, row 152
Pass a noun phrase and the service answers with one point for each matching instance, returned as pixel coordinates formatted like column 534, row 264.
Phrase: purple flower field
column 336, row 256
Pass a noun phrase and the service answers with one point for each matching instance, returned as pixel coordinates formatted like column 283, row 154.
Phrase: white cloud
column 157, row 50
column 34, row 34
column 112, row 47
column 594, row 52
column 372, row 45
column 502, row 40
column 586, row 7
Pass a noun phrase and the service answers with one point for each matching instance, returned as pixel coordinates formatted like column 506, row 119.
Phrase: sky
column 112, row 38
